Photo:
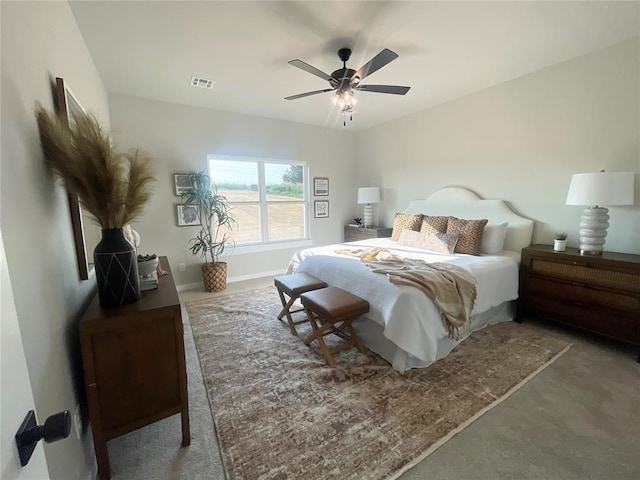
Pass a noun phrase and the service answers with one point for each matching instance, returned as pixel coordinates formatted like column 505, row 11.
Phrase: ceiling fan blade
column 394, row 89
column 375, row 64
column 300, row 95
column 309, row 68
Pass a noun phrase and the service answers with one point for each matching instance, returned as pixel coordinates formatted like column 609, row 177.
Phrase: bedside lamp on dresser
column 595, row 191
column 586, row 287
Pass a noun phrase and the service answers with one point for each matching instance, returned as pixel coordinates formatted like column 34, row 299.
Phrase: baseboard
column 239, row 278
column 190, row 286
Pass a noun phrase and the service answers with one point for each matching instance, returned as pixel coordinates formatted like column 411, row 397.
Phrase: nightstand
column 599, row 293
column 352, row 234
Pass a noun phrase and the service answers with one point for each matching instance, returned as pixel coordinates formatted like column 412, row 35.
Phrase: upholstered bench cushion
column 334, row 304
column 297, row 283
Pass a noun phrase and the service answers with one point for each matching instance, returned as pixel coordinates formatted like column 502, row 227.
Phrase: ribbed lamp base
column 593, row 230
column 368, row 215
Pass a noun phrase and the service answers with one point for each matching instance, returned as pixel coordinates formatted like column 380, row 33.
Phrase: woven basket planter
column 214, row 276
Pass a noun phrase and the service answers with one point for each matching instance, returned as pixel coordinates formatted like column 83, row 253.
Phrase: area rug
column 281, row 413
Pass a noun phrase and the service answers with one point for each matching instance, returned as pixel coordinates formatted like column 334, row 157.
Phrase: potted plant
column 217, row 221
column 112, row 187
column 560, row 242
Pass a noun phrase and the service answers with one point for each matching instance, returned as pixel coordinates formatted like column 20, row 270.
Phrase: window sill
column 268, row 247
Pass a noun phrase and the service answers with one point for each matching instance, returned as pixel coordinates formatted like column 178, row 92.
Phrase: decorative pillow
column 470, row 232
column 434, row 224
column 405, row 221
column 493, row 238
column 437, row 242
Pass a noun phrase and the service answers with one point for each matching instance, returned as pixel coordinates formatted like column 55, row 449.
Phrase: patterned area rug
column 281, row 413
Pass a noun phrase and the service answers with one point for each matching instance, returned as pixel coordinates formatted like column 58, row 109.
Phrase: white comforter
column 410, row 319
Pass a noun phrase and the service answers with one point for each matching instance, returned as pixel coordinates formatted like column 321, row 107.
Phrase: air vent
column 201, row 82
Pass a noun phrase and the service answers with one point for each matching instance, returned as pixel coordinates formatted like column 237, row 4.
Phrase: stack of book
column 149, row 282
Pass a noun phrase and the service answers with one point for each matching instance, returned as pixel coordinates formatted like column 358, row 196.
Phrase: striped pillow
column 470, row 232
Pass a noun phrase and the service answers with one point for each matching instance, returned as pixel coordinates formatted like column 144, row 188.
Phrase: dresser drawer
column 599, row 293
column 584, row 273
column 353, row 234
column 582, row 293
column 359, row 234
column 622, row 327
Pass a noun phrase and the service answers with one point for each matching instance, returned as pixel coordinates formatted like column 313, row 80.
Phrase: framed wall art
column 321, row 208
column 187, row 215
column 182, row 183
column 85, row 234
column 321, row 187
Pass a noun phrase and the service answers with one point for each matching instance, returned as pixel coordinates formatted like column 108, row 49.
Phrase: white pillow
column 493, row 238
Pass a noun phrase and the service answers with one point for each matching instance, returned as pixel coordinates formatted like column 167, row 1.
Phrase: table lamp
column 594, row 190
column 368, row 195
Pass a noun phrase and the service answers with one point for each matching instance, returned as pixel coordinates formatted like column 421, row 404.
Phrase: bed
column 403, row 325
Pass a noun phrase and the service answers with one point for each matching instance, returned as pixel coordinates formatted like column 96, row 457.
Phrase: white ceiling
column 447, row 49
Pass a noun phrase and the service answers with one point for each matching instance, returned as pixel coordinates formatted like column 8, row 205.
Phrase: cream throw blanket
column 451, row 288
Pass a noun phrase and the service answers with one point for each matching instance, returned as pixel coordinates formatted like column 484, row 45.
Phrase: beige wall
column 521, row 141
column 40, row 40
column 180, row 138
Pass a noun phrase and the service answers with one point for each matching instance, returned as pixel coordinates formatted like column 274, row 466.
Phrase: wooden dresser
column 352, row 234
column 597, row 293
column 134, row 365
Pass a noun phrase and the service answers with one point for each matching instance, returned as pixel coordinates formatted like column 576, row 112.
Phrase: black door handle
column 56, row 427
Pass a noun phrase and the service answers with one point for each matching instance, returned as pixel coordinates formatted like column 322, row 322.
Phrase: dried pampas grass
column 112, row 187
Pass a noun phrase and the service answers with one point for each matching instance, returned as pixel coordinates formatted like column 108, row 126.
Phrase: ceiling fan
column 345, row 81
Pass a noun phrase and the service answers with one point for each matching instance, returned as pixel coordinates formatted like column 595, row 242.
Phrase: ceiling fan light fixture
column 345, row 81
column 345, row 99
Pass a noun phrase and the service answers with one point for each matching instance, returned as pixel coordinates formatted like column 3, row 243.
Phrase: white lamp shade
column 368, row 195
column 602, row 188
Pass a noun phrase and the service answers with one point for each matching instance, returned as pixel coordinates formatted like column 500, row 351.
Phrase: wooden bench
column 335, row 309
column 293, row 286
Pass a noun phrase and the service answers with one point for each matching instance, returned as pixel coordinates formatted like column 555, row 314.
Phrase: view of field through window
column 268, row 199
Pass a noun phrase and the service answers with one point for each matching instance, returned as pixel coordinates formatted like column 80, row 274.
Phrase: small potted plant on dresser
column 560, row 242
column 217, row 221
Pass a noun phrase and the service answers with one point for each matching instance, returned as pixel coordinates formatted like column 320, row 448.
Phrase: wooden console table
column 134, row 365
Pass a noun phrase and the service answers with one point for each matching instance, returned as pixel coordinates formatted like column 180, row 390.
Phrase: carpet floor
column 281, row 413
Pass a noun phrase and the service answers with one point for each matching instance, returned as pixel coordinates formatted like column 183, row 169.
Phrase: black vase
column 116, row 269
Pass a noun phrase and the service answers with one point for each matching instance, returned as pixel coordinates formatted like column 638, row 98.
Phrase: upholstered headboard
column 462, row 203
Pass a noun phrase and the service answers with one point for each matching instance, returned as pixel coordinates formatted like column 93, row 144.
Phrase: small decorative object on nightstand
column 352, row 234
column 597, row 293
column 560, row 242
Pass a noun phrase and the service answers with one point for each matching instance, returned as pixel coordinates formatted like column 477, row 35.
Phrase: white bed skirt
column 371, row 335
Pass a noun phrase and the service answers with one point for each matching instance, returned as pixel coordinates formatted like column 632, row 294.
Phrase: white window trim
column 263, row 203
column 263, row 247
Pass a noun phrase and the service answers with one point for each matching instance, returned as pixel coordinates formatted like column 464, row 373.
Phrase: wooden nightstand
column 599, row 293
column 352, row 234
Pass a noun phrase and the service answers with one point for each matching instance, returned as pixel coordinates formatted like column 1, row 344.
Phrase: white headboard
column 462, row 203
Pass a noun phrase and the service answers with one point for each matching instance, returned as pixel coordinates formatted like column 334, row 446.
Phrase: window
column 268, row 197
